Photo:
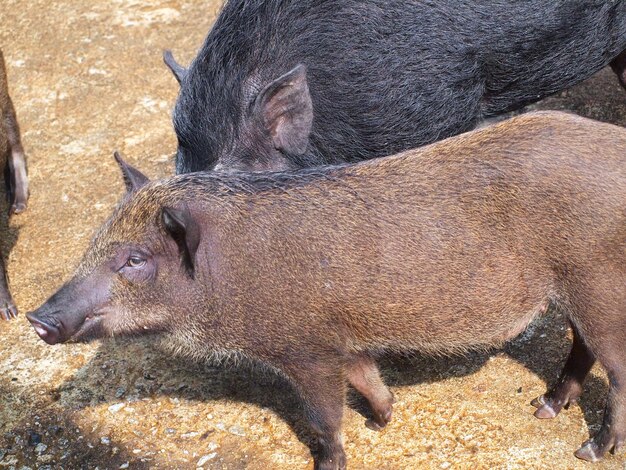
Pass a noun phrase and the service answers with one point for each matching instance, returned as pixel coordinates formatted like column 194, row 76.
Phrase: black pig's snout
column 46, row 331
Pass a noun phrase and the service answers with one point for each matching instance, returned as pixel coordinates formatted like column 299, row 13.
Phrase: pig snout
column 70, row 313
column 57, row 325
column 62, row 316
column 45, row 327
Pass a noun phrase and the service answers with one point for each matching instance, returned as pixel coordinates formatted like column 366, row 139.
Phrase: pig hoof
column 589, row 452
column 539, row 401
column 547, row 408
column 381, row 420
column 373, row 425
column 17, row 208
column 8, row 311
column 331, row 465
column 545, row 412
column 336, row 462
column 595, row 448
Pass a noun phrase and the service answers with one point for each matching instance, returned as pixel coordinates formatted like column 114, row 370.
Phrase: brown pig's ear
column 286, row 110
column 181, row 226
column 133, row 178
column 178, row 70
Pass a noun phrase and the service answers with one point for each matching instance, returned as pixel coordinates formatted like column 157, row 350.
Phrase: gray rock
column 115, row 408
column 40, row 448
column 236, row 430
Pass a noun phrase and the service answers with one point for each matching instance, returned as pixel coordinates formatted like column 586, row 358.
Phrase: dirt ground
column 87, row 78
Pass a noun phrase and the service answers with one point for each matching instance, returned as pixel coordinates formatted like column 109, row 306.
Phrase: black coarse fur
column 384, row 75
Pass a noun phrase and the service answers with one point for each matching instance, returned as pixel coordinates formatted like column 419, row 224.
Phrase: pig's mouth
column 91, row 328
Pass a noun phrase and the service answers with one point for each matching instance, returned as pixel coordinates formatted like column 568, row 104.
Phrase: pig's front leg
column 15, row 174
column 7, row 306
column 364, row 376
column 322, row 388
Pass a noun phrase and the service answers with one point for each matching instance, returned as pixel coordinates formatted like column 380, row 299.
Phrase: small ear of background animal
column 287, row 111
column 133, row 178
column 182, row 227
column 178, row 70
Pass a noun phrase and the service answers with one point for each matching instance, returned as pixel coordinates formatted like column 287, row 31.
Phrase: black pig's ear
column 133, row 178
column 182, row 227
column 178, row 70
column 286, row 109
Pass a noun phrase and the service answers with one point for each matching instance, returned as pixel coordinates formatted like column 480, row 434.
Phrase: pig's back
column 446, row 247
column 454, row 245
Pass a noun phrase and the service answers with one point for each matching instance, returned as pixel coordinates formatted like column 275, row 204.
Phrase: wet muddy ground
column 87, row 78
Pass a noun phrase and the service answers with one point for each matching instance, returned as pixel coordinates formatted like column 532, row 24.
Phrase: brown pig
column 15, row 178
column 453, row 246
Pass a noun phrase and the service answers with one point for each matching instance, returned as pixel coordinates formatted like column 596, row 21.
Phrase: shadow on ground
column 66, row 445
column 111, row 376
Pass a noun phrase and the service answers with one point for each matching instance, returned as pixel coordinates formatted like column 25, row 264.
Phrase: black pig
column 457, row 245
column 296, row 83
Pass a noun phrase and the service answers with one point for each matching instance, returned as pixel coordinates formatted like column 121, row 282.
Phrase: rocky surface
column 87, row 78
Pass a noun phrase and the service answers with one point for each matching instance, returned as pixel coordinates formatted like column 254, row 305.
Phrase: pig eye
column 135, row 262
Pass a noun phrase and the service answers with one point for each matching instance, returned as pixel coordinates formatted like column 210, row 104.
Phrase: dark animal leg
column 604, row 329
column 16, row 179
column 322, row 387
column 7, row 306
column 570, row 384
column 619, row 67
column 364, row 376
column 612, row 434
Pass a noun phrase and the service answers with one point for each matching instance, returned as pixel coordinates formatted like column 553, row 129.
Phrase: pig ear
column 178, row 70
column 133, row 178
column 182, row 227
column 286, row 110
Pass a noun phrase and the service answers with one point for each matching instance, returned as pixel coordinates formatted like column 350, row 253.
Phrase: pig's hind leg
column 599, row 311
column 569, row 386
column 612, row 433
column 364, row 376
column 611, row 436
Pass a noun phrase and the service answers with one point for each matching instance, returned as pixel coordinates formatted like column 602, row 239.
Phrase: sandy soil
column 87, row 78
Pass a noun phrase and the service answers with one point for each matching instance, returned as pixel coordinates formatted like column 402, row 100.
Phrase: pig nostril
column 46, row 324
